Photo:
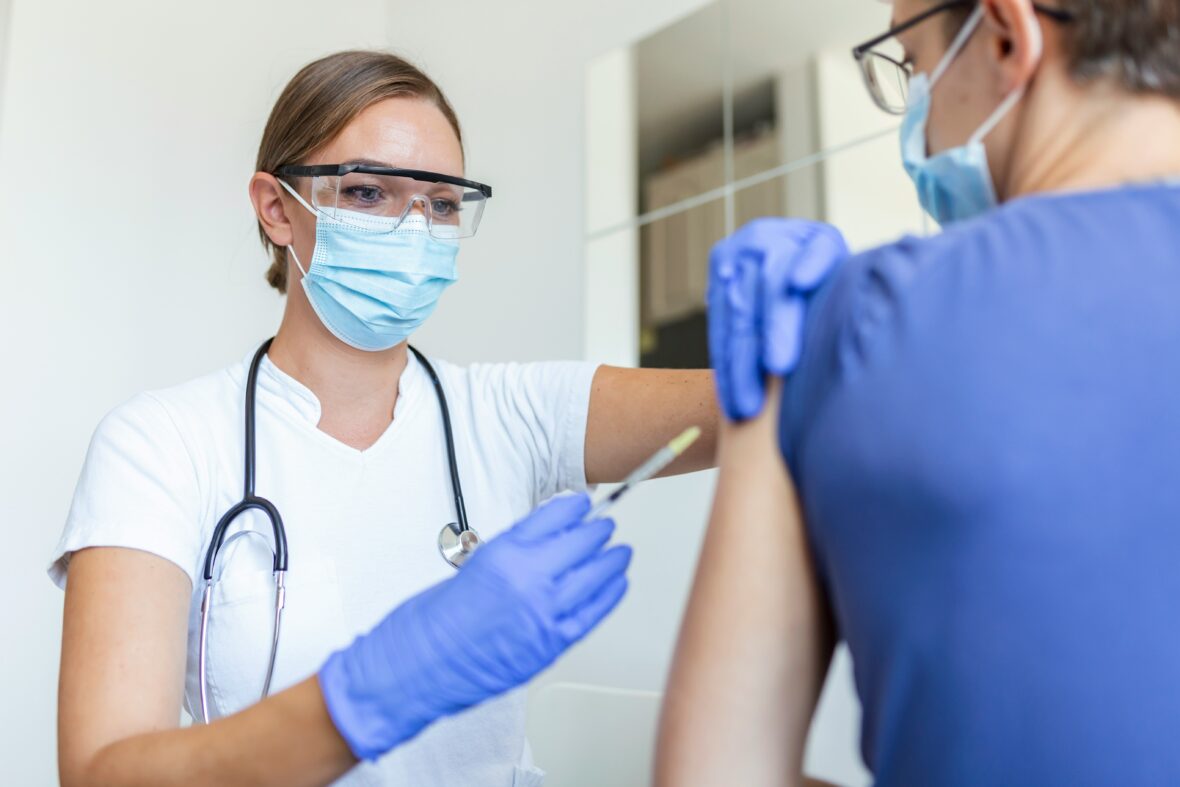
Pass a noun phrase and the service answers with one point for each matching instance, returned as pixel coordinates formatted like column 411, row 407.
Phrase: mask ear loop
column 999, row 114
column 952, row 52
column 960, row 41
column 299, row 198
column 298, row 264
column 1013, row 98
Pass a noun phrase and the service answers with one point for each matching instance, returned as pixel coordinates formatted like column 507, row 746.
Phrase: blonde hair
column 320, row 101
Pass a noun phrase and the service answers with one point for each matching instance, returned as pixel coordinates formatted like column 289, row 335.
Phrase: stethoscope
column 456, row 541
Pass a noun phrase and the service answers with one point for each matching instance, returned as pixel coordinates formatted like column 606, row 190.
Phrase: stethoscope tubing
column 251, row 501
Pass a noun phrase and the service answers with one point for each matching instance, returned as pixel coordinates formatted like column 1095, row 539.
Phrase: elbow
column 86, row 770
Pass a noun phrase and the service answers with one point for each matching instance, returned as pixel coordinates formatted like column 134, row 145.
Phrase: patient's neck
column 1092, row 136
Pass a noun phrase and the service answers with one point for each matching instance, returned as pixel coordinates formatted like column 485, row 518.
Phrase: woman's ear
column 267, row 196
column 1015, row 41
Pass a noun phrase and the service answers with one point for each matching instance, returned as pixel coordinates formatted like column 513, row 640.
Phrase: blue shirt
column 985, row 434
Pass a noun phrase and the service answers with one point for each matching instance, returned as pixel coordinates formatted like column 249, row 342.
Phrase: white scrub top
column 362, row 526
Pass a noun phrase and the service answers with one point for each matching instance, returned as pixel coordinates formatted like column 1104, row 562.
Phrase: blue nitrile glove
column 518, row 602
column 759, row 280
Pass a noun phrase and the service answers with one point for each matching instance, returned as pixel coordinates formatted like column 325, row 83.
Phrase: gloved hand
column 759, row 279
column 518, row 602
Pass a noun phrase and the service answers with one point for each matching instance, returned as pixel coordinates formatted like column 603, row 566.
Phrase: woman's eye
column 365, row 195
column 444, row 208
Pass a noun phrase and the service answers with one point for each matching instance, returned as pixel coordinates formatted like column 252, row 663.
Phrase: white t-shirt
column 362, row 526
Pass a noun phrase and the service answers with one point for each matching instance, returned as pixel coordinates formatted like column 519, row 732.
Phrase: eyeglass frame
column 859, row 52
column 340, row 170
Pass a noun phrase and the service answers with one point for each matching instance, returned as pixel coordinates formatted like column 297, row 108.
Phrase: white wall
column 5, row 12
column 129, row 256
column 611, row 165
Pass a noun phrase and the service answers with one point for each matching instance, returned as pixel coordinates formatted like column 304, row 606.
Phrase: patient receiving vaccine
column 971, row 474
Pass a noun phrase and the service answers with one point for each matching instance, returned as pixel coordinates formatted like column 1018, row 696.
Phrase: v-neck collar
column 295, row 398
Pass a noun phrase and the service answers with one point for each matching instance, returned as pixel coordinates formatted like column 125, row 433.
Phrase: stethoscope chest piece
column 456, row 545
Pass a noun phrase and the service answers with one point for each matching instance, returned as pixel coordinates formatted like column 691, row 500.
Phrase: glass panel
column 867, row 194
column 674, row 269
column 653, row 107
column 679, row 95
column 781, row 53
column 861, row 190
column 805, row 139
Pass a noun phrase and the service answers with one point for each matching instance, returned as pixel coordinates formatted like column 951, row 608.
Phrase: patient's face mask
column 373, row 281
column 955, row 184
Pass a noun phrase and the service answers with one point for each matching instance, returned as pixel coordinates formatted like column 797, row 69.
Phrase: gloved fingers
column 816, row 257
column 552, row 517
column 722, row 271
column 780, row 251
column 806, row 251
column 567, row 549
column 743, row 378
column 733, row 327
column 783, row 334
column 583, row 582
column 582, row 621
column 778, row 268
column 743, row 366
column 721, row 260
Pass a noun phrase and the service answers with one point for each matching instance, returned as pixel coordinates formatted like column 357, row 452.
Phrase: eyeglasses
column 366, row 197
column 886, row 69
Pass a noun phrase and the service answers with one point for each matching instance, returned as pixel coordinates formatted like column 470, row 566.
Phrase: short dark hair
column 1136, row 43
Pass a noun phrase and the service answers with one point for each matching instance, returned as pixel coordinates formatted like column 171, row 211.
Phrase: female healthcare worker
column 982, row 426
column 357, row 452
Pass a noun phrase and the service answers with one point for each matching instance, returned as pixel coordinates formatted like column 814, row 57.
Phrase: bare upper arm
column 633, row 412
column 756, row 639
column 124, row 637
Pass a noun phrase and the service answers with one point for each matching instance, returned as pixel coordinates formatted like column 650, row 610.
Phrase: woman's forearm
column 633, row 412
column 755, row 641
column 286, row 739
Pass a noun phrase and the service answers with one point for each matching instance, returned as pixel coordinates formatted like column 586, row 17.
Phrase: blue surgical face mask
column 955, row 184
column 372, row 281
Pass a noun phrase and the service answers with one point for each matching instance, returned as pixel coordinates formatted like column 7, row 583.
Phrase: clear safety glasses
column 886, row 68
column 378, row 199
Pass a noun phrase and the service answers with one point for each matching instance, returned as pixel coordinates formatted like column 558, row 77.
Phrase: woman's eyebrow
column 368, row 162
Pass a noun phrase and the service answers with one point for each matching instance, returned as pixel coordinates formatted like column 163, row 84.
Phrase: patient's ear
column 1015, row 41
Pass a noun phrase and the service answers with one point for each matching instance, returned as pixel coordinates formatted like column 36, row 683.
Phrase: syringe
column 659, row 460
